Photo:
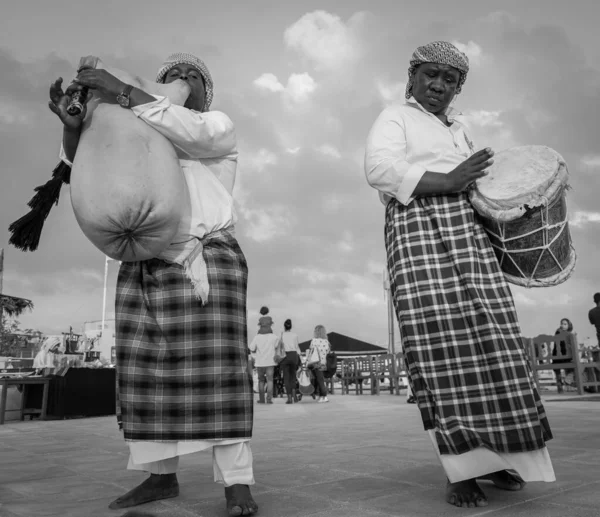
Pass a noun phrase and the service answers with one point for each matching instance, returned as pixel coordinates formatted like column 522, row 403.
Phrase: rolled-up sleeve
column 198, row 135
column 386, row 167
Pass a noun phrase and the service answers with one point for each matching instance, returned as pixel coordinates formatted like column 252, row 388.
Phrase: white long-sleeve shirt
column 263, row 347
column 405, row 142
column 207, row 150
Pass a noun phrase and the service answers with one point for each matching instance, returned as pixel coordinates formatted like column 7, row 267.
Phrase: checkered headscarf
column 189, row 59
column 438, row 52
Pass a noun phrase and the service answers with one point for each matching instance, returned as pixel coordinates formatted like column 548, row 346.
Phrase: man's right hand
column 470, row 170
column 59, row 101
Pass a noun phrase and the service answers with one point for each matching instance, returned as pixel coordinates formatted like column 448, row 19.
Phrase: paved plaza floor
column 358, row 456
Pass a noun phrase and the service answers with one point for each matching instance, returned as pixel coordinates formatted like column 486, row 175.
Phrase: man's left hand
column 102, row 81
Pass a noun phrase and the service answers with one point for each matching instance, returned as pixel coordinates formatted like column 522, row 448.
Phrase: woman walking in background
column 291, row 362
column 316, row 357
column 567, row 327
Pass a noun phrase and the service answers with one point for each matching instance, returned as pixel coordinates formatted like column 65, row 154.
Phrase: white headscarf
column 189, row 59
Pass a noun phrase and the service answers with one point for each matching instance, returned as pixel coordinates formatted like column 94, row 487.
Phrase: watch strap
column 123, row 97
column 127, row 90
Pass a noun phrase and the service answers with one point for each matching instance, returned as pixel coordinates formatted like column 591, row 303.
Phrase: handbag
column 315, row 358
column 279, row 352
column 305, row 383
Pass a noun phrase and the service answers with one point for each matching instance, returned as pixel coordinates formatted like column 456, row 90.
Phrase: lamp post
column 106, row 259
column 396, row 368
column 1, row 268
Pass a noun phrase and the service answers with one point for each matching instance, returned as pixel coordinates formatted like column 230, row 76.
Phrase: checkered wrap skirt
column 182, row 368
column 461, row 337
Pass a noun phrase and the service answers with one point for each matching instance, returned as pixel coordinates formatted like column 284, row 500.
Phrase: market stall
column 82, row 382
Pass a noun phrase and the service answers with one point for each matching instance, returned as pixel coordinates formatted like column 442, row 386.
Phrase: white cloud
column 315, row 276
column 298, row 89
column 265, row 224
column 365, row 300
column 356, row 290
column 329, row 150
column 537, row 118
column 346, row 243
column 390, row 93
column 523, row 299
column 252, row 165
column 325, row 40
column 300, row 86
column 94, row 275
column 473, row 51
column 11, row 113
column 562, row 299
column 293, row 150
column 591, row 161
column 261, row 159
column 333, row 203
column 376, row 268
column 269, row 82
column 484, row 118
column 582, row 218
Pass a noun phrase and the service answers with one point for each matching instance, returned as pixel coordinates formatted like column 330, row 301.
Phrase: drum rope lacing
column 544, row 247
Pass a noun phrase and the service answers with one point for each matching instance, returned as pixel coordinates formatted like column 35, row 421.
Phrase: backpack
column 330, row 365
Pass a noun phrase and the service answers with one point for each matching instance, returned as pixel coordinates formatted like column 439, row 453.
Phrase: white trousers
column 531, row 466
column 232, row 464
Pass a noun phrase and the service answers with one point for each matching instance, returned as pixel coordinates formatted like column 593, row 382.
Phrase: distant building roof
column 341, row 343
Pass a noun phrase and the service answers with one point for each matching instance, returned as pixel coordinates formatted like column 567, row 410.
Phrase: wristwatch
column 123, row 97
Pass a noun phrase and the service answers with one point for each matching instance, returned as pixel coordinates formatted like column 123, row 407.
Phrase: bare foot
column 506, row 480
column 465, row 494
column 157, row 486
column 239, row 500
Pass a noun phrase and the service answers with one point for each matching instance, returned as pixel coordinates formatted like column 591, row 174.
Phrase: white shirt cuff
column 160, row 102
column 63, row 156
column 411, row 179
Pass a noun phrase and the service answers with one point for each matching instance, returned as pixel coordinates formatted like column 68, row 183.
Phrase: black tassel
column 27, row 230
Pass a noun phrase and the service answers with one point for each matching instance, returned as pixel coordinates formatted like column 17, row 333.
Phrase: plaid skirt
column 462, row 341
column 182, row 368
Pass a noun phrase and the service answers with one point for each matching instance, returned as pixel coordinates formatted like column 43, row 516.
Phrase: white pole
column 388, row 292
column 104, row 293
column 391, row 319
column 387, row 285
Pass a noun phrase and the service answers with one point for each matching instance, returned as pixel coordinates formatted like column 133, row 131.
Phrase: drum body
column 522, row 206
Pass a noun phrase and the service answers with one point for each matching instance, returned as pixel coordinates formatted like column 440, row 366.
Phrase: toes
column 482, row 501
column 235, row 511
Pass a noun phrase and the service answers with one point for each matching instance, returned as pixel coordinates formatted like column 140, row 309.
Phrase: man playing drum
column 182, row 364
column 460, row 334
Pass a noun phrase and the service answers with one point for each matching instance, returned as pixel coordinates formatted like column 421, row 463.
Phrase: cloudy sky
column 303, row 82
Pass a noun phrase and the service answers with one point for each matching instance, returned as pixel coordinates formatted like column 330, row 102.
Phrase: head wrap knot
column 438, row 52
column 189, row 59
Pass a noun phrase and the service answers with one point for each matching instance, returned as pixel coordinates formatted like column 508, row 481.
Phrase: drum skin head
column 520, row 178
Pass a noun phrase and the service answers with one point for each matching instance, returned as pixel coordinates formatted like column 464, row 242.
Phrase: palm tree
column 13, row 306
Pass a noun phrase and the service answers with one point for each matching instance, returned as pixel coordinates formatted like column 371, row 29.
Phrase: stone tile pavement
column 358, row 456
